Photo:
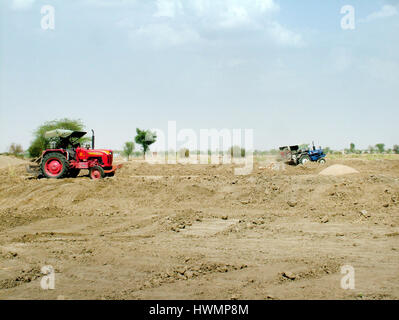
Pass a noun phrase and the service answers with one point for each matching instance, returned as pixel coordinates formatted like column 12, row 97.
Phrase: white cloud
column 22, row 4
column 168, row 8
column 284, row 36
column 110, row 3
column 161, row 35
column 266, row 5
column 191, row 20
column 200, row 6
column 233, row 13
column 385, row 12
column 235, row 16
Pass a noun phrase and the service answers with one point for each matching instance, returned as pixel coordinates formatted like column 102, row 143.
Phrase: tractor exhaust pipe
column 92, row 138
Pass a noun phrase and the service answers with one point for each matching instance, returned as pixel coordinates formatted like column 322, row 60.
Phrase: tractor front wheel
column 321, row 161
column 54, row 165
column 96, row 173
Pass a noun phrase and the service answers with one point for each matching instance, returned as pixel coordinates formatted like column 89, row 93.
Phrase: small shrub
column 184, row 153
column 15, row 150
column 128, row 149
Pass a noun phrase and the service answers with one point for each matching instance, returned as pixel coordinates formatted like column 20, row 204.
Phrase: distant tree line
column 378, row 148
column 145, row 138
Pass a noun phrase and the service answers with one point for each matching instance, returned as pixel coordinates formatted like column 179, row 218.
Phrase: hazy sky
column 285, row 69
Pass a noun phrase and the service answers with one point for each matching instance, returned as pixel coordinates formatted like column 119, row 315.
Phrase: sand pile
column 338, row 170
column 6, row 161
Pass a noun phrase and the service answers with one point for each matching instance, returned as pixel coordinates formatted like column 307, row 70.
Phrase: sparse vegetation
column 352, row 149
column 237, row 152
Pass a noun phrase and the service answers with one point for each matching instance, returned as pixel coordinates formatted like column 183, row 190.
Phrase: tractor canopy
column 62, row 133
column 290, row 148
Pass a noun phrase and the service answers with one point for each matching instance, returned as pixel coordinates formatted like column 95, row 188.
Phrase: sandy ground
column 200, row 232
column 10, row 162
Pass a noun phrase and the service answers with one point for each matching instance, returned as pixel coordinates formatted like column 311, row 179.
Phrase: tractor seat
column 72, row 153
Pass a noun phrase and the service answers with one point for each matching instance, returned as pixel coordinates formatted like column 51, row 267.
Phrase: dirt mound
column 201, row 232
column 338, row 170
column 6, row 161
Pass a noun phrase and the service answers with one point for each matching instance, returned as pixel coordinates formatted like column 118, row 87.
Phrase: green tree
column 396, row 149
column 380, row 147
column 352, row 148
column 145, row 138
column 128, row 149
column 40, row 143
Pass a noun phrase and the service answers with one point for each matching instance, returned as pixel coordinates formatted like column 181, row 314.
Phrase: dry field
column 200, row 232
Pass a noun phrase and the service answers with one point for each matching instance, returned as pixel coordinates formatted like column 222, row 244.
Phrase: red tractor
column 66, row 157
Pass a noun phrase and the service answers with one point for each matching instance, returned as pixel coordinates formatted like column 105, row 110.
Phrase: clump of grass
column 11, row 171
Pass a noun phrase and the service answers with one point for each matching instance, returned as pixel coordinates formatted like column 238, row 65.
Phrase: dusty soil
column 10, row 162
column 200, row 232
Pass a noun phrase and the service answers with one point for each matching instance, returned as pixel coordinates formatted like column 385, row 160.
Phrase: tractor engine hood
column 98, row 152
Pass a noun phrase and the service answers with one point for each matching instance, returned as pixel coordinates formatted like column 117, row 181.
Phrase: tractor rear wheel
column 96, row 173
column 304, row 159
column 54, row 165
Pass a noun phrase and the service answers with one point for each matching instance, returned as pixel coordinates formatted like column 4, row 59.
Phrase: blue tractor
column 297, row 155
